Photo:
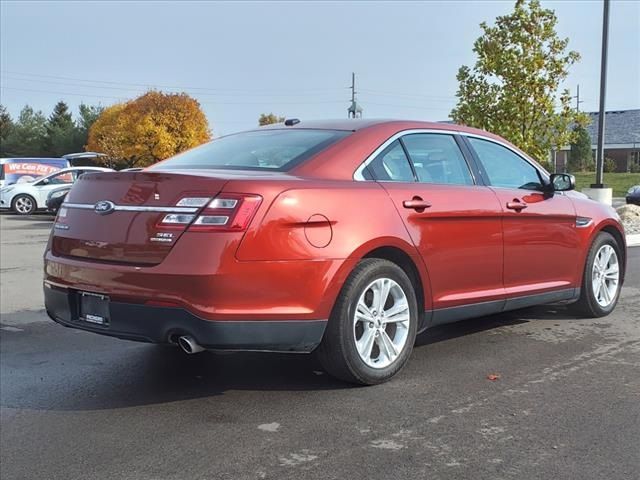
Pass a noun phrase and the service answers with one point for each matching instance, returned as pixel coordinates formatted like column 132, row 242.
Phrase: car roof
column 360, row 125
column 356, row 124
column 88, row 167
column 337, row 124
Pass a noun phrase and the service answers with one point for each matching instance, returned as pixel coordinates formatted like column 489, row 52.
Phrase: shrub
column 609, row 165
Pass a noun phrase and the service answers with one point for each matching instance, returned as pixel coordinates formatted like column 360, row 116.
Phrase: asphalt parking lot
column 74, row 405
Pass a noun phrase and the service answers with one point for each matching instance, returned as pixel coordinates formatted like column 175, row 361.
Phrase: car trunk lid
column 115, row 217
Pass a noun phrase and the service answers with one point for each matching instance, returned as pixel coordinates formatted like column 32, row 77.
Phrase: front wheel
column 373, row 324
column 24, row 205
column 601, row 278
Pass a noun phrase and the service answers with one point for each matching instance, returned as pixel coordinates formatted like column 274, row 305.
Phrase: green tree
column 61, row 131
column 6, row 126
column 580, row 156
column 87, row 117
column 609, row 165
column 27, row 137
column 269, row 119
column 514, row 86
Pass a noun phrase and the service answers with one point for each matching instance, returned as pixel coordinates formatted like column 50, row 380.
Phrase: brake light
column 230, row 212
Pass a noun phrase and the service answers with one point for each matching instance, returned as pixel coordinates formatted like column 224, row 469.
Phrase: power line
column 67, row 84
column 176, row 87
column 131, row 87
column 404, row 94
column 274, row 102
column 61, row 93
column 418, row 107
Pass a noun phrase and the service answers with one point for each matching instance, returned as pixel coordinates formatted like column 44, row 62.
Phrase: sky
column 240, row 59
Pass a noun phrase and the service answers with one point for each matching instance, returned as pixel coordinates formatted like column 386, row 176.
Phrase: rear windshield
column 278, row 150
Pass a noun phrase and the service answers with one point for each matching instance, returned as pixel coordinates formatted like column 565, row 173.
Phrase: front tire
column 372, row 328
column 601, row 280
column 24, row 204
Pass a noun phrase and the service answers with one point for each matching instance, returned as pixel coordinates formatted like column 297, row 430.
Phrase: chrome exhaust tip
column 189, row 345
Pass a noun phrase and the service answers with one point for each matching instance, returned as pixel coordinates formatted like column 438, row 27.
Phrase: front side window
column 437, row 159
column 391, row 165
column 59, row 179
column 504, row 168
column 278, row 150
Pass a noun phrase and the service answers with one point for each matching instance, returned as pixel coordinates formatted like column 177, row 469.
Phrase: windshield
column 278, row 150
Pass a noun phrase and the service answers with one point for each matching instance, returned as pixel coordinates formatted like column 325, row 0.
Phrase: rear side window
column 278, row 150
column 391, row 165
column 437, row 159
column 504, row 168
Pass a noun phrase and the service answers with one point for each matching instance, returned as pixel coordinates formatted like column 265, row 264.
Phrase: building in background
column 621, row 140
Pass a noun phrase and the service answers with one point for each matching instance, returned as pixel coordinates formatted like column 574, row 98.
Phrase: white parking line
column 12, row 329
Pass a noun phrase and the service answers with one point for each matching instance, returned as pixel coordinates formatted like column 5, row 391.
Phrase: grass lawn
column 620, row 182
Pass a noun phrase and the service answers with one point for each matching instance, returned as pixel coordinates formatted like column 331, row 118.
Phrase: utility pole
column 353, row 87
column 354, row 110
column 577, row 97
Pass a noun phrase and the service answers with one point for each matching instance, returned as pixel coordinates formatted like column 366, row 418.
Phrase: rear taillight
column 229, row 212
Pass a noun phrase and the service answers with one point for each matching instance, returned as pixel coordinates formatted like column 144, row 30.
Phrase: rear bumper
column 156, row 324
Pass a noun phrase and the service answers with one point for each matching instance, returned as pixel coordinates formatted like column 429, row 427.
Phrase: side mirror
column 561, row 182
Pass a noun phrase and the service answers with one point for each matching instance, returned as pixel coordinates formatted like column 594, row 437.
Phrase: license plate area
column 93, row 308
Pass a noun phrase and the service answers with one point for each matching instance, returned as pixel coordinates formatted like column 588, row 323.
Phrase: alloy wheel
column 605, row 275
column 381, row 323
column 24, row 205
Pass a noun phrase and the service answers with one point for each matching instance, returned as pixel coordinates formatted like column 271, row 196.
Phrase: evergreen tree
column 6, row 125
column 580, row 156
column 27, row 136
column 88, row 115
column 61, row 131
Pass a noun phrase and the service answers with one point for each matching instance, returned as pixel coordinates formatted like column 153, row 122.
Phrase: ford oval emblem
column 104, row 207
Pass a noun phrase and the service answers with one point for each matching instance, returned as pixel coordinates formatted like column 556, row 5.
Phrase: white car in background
column 26, row 198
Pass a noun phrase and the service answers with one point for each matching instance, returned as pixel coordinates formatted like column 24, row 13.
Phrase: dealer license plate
column 94, row 308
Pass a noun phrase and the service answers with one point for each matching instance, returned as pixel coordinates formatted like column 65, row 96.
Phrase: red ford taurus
column 344, row 237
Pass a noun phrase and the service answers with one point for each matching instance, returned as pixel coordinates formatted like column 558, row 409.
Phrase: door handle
column 516, row 205
column 416, row 203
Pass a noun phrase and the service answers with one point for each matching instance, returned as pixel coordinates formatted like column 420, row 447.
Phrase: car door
column 539, row 226
column 454, row 223
column 44, row 186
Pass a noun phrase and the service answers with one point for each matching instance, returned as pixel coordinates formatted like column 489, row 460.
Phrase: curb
column 633, row 240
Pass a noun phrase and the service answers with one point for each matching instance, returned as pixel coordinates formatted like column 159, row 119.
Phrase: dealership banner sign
column 20, row 171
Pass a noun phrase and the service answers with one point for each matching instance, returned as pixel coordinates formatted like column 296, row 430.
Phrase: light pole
column 603, row 91
column 598, row 191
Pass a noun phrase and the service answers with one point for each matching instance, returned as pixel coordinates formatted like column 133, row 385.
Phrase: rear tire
column 24, row 204
column 601, row 280
column 368, row 340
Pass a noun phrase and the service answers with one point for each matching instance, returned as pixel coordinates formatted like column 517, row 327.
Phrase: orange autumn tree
column 148, row 129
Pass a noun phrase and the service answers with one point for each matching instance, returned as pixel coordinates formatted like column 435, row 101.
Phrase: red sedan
column 346, row 237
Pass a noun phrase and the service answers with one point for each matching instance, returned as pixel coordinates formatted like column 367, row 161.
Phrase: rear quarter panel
column 325, row 221
column 332, row 220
